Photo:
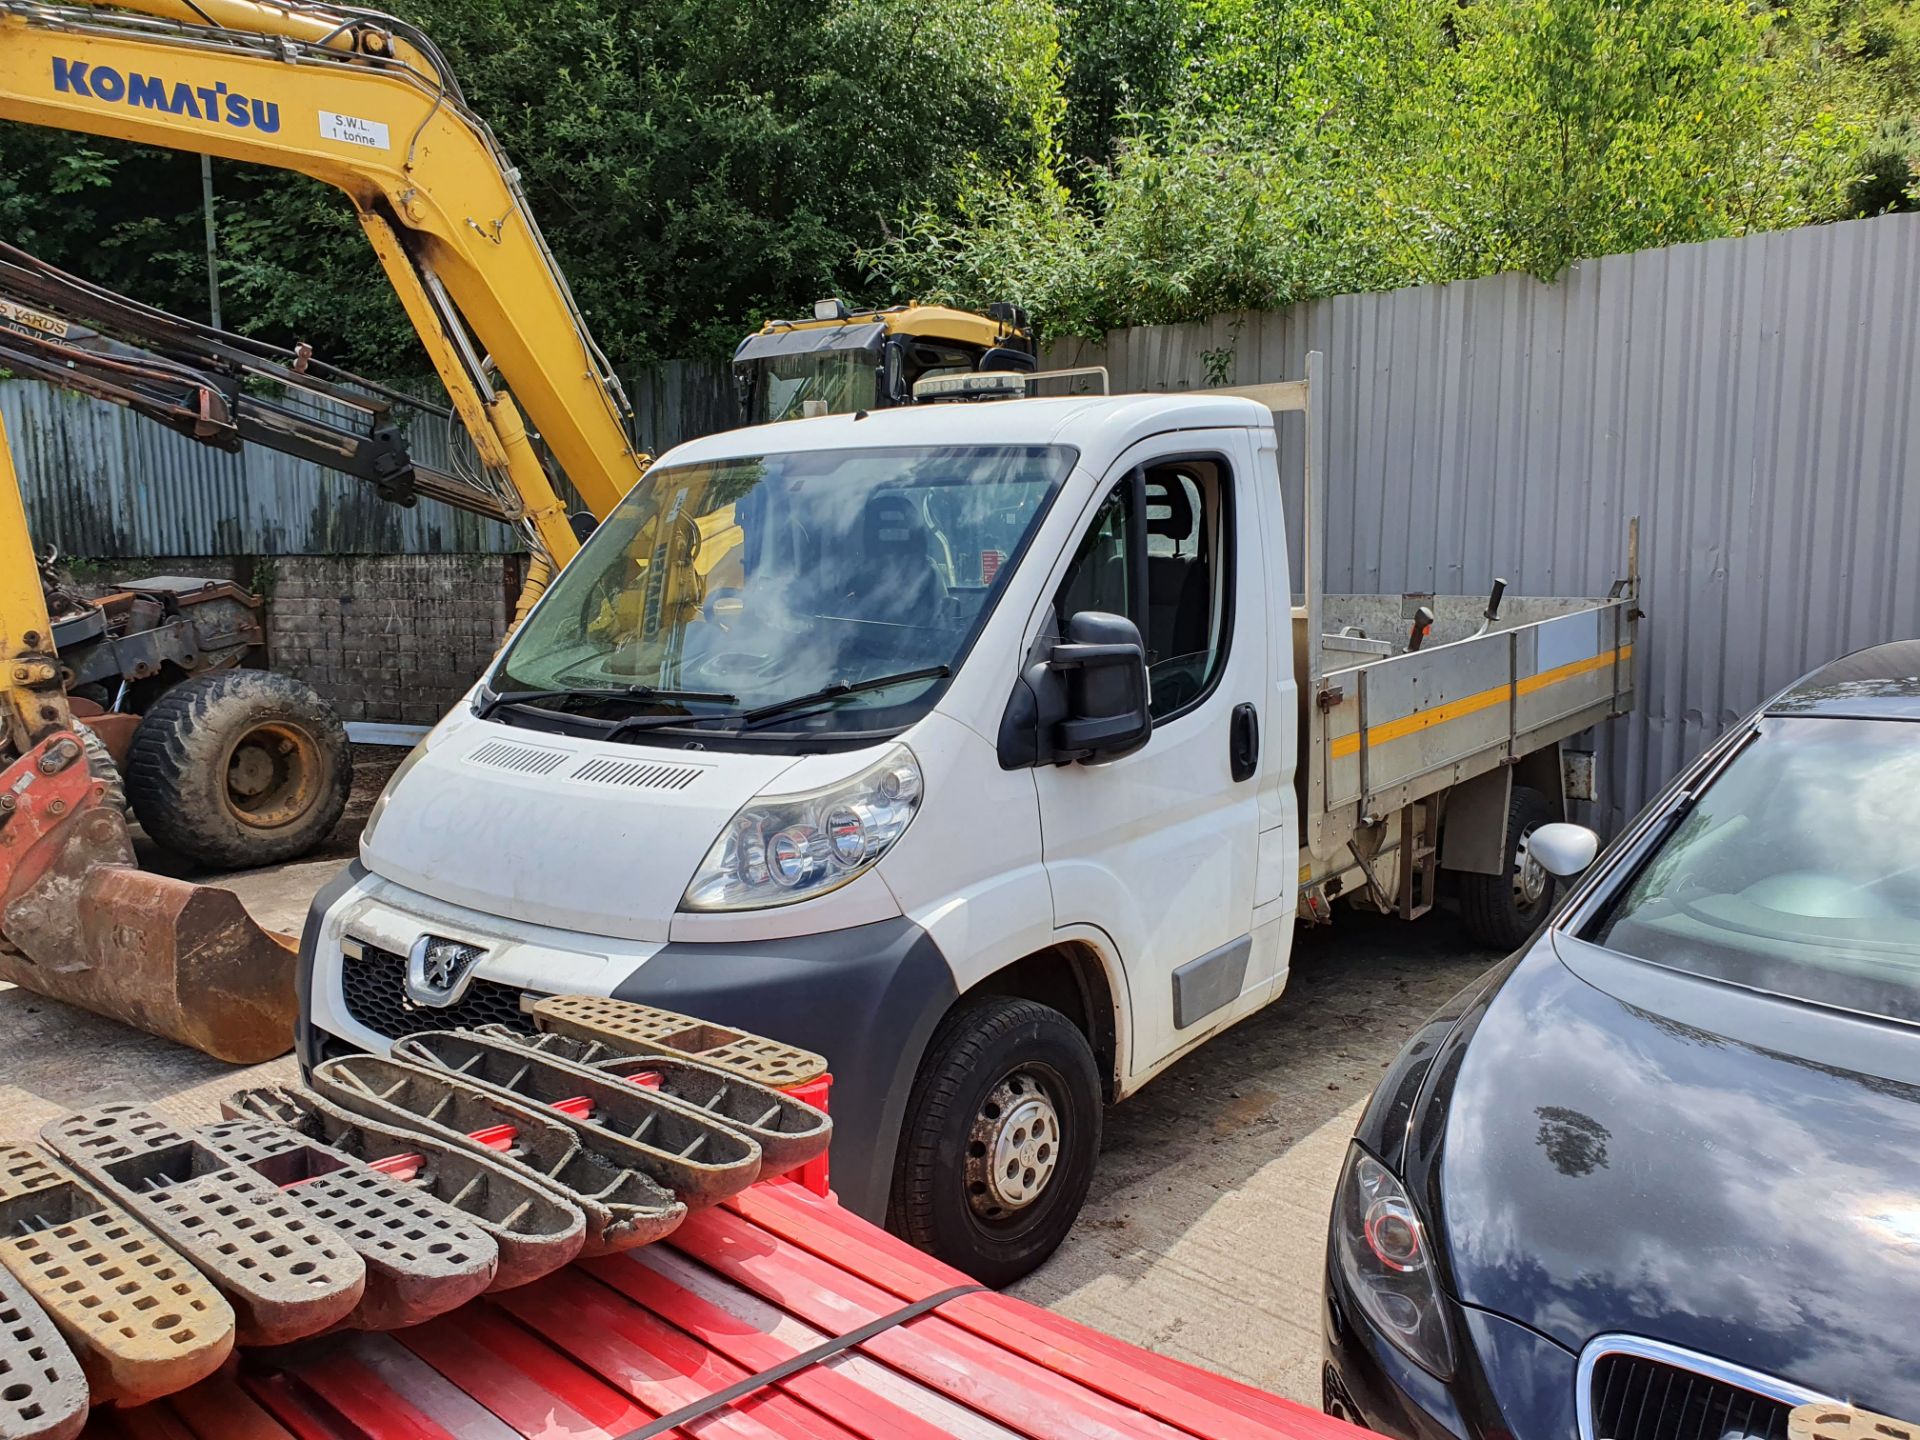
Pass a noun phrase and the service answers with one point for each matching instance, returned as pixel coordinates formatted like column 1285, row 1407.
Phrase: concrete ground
column 1205, row 1231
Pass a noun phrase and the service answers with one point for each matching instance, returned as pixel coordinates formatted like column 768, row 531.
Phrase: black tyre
column 1503, row 911
column 239, row 768
column 1000, row 1138
column 100, row 763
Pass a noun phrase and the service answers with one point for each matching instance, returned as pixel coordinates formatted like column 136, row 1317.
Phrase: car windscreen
column 818, row 590
column 1795, row 872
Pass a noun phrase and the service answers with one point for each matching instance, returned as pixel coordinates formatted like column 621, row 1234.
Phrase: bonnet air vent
column 637, row 774
column 521, row 759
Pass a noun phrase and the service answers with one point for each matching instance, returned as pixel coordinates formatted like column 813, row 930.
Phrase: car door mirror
column 1084, row 697
column 1563, row 850
column 1102, row 663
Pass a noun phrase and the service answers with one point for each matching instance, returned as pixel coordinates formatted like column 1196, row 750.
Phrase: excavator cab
column 845, row 360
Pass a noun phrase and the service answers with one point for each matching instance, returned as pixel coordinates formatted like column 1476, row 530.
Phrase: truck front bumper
column 867, row 998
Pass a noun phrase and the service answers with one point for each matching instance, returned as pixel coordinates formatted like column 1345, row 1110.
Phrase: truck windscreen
column 733, row 586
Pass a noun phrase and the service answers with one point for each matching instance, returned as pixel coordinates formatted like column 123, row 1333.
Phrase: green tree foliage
column 699, row 164
column 1362, row 144
column 696, row 164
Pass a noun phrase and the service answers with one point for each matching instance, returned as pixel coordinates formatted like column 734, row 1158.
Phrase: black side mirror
column 1085, row 699
column 1005, row 357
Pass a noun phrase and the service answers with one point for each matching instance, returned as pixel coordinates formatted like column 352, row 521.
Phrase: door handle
column 1243, row 741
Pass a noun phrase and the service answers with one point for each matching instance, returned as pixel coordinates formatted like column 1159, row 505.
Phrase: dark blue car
column 1657, row 1176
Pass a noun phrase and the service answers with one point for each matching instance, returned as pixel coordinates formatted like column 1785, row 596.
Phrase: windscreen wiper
column 839, row 689
column 626, row 692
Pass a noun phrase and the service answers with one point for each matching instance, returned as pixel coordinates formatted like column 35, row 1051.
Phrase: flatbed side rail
column 1395, row 730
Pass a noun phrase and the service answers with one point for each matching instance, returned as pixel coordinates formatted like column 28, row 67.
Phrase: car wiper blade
column 827, row 694
column 639, row 723
column 639, row 694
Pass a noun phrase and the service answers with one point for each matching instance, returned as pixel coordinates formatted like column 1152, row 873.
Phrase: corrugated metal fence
column 104, row 483
column 1755, row 401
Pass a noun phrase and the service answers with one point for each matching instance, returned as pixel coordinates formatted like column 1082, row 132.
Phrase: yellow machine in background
column 844, row 360
column 363, row 102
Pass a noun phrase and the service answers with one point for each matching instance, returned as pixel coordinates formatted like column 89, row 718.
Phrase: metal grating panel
column 637, row 774
column 521, row 759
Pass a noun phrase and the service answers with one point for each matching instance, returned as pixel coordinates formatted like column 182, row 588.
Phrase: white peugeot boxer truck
column 993, row 749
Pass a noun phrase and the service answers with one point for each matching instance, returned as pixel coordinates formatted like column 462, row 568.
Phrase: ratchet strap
column 774, row 1374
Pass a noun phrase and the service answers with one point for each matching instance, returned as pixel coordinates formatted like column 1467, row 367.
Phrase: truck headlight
column 1381, row 1249
column 783, row 848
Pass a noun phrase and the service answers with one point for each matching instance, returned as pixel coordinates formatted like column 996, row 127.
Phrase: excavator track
column 623, row 1205
column 285, row 1275
column 423, row 1259
column 533, row 1229
column 789, row 1132
column 633, row 1029
column 699, row 1159
column 43, row 1391
column 138, row 1320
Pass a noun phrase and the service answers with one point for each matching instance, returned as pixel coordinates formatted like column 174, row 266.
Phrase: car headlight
column 783, row 848
column 1381, row 1248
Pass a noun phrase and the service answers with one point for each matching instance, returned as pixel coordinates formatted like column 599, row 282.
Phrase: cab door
column 1159, row 848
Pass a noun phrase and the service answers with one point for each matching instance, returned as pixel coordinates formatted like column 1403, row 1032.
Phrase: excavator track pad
column 789, row 1132
column 286, row 1275
column 43, row 1391
column 623, row 1205
column 80, row 923
column 422, row 1258
column 699, row 1159
column 534, row 1230
column 141, row 1321
column 634, row 1029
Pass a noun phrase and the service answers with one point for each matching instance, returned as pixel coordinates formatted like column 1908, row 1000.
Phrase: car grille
column 1639, row 1398
column 374, row 983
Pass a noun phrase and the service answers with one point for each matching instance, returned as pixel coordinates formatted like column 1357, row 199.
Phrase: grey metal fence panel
column 102, row 482
column 1755, row 401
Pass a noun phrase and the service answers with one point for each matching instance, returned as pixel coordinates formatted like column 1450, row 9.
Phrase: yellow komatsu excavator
column 364, row 102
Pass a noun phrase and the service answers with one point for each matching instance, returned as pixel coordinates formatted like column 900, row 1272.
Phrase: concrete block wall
column 396, row 638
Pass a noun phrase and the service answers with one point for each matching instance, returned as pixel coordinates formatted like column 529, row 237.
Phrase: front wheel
column 1001, row 1133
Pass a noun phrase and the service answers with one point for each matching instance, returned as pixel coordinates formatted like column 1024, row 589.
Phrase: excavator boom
column 362, row 103
column 365, row 103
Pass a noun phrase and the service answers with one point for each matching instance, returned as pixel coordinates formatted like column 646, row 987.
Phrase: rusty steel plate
column 623, row 1205
column 641, row 1029
column 141, row 1321
column 43, row 1390
column 699, row 1159
column 422, row 1258
column 789, row 1132
column 533, row 1228
column 285, row 1276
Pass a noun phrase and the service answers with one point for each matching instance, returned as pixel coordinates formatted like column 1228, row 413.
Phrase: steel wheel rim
column 1530, row 878
column 272, row 775
column 1013, row 1147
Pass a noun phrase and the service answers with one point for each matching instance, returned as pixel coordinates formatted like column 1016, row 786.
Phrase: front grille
column 375, row 985
column 1639, row 1398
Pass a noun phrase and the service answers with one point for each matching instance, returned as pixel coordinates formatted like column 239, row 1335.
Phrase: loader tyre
column 100, row 762
column 239, row 768
column 1001, row 1133
column 1504, row 911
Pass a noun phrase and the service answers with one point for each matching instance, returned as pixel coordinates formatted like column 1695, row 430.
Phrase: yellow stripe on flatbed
column 1390, row 730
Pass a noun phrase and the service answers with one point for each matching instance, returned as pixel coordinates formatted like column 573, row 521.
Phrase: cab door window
column 1158, row 552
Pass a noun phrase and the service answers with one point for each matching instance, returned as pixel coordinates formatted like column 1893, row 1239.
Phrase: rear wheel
column 1001, row 1134
column 239, row 768
column 1503, row 911
column 100, row 762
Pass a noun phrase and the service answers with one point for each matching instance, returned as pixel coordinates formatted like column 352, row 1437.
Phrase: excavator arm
column 364, row 103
